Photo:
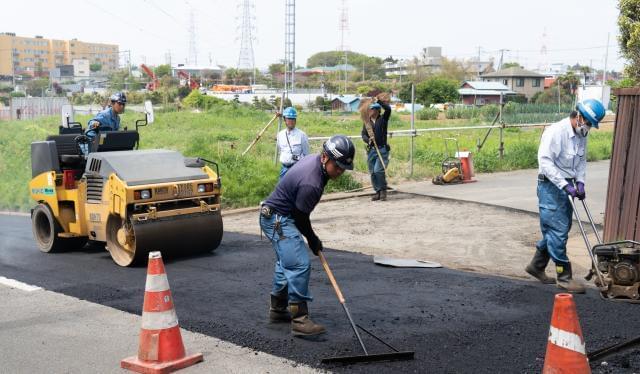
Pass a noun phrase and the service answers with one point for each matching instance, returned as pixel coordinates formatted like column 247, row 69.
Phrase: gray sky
column 576, row 30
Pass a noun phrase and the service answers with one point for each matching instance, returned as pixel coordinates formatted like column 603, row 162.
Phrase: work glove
column 570, row 190
column 315, row 246
column 581, row 193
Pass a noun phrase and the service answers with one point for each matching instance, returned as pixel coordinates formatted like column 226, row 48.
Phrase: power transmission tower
column 246, row 61
column 289, row 45
column 343, row 26
column 502, row 51
column 193, row 52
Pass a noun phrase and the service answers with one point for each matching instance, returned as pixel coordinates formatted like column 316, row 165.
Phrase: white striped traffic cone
column 161, row 349
column 566, row 352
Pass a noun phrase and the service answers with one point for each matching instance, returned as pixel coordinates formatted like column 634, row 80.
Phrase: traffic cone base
column 135, row 364
column 161, row 349
column 566, row 352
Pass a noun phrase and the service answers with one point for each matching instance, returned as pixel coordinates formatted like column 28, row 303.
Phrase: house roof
column 479, row 85
column 347, row 99
column 513, row 72
column 473, row 92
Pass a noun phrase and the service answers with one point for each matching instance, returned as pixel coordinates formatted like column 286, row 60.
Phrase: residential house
column 483, row 93
column 345, row 103
column 521, row 81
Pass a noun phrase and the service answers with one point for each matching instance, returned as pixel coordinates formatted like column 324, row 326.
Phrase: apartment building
column 38, row 56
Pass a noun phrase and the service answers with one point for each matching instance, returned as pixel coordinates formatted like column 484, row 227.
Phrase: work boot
column 383, row 195
column 301, row 324
column 565, row 279
column 376, row 197
column 537, row 265
column 278, row 311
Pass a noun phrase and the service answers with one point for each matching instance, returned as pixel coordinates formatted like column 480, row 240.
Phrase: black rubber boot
column 376, row 197
column 565, row 279
column 301, row 324
column 537, row 265
column 278, row 311
column 383, row 195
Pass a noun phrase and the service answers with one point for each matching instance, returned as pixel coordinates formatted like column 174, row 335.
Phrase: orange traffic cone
column 566, row 352
column 161, row 349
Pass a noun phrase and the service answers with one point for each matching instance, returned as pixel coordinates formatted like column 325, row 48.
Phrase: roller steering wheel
column 82, row 139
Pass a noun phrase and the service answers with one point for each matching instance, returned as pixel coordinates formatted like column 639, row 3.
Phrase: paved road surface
column 455, row 321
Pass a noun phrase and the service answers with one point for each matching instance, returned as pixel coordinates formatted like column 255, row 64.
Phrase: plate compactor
column 615, row 265
column 135, row 201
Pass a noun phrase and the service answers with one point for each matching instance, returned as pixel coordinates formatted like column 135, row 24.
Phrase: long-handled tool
column 390, row 356
column 594, row 260
column 260, row 134
column 372, row 136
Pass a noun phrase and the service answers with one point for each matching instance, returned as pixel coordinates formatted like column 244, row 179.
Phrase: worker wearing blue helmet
column 107, row 119
column 562, row 161
column 374, row 134
column 293, row 143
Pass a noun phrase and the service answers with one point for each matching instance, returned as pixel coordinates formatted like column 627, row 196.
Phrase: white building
column 81, row 68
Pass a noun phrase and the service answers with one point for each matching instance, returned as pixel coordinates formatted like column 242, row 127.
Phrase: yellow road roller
column 135, row 201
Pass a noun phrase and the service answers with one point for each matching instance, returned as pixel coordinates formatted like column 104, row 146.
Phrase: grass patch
column 223, row 133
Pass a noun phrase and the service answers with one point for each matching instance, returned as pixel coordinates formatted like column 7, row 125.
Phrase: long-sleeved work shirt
column 108, row 120
column 292, row 143
column 562, row 154
column 379, row 127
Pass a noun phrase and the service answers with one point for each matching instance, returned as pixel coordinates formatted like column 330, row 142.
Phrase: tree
column 452, row 69
column 629, row 39
column 230, row 76
column 95, row 67
column 507, row 65
column 437, row 89
column 36, row 87
column 277, row 68
column 162, row 70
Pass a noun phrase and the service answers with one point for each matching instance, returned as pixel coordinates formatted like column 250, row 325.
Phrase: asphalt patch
column 456, row 322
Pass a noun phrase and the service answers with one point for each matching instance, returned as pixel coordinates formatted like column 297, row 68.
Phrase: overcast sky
column 576, row 30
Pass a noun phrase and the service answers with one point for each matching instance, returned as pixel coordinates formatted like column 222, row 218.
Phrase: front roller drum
column 189, row 234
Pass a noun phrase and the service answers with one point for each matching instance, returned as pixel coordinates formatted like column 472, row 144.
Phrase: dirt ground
column 459, row 235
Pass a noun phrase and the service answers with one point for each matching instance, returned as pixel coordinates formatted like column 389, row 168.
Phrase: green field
column 222, row 134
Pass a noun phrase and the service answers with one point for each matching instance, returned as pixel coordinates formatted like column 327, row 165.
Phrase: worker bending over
column 284, row 219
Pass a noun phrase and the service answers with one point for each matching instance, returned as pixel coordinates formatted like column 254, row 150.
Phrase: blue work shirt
column 301, row 187
column 108, row 119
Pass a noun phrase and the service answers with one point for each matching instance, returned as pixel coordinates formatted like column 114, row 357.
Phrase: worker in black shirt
column 284, row 216
column 376, row 129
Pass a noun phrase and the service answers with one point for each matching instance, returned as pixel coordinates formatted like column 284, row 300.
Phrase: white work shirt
column 562, row 154
column 292, row 142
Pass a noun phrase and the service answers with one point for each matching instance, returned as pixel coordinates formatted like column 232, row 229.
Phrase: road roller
column 104, row 190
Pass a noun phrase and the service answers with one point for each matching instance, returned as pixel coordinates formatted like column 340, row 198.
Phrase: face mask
column 582, row 131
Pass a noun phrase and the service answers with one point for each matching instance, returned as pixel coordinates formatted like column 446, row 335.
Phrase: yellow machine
column 135, row 201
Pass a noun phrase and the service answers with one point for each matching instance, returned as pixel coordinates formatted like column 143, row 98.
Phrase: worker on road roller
column 562, row 160
column 284, row 216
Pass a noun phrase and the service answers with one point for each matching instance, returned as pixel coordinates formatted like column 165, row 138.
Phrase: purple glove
column 581, row 193
column 570, row 190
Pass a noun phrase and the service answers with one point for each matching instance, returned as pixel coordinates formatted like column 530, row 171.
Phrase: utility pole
column 501, row 57
column 604, row 74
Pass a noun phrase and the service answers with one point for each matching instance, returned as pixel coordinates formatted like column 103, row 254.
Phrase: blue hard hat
column 119, row 97
column 375, row 106
column 592, row 110
column 290, row 112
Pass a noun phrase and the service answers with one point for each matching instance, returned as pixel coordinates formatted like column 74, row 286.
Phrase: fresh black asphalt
column 456, row 322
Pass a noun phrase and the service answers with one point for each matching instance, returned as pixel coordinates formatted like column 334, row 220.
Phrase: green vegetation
column 629, row 23
column 222, row 132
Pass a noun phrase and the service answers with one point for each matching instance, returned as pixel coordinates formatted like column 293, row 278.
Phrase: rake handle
column 332, row 279
column 259, row 135
column 336, row 288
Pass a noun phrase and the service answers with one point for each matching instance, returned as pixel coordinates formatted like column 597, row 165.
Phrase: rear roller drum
column 46, row 230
